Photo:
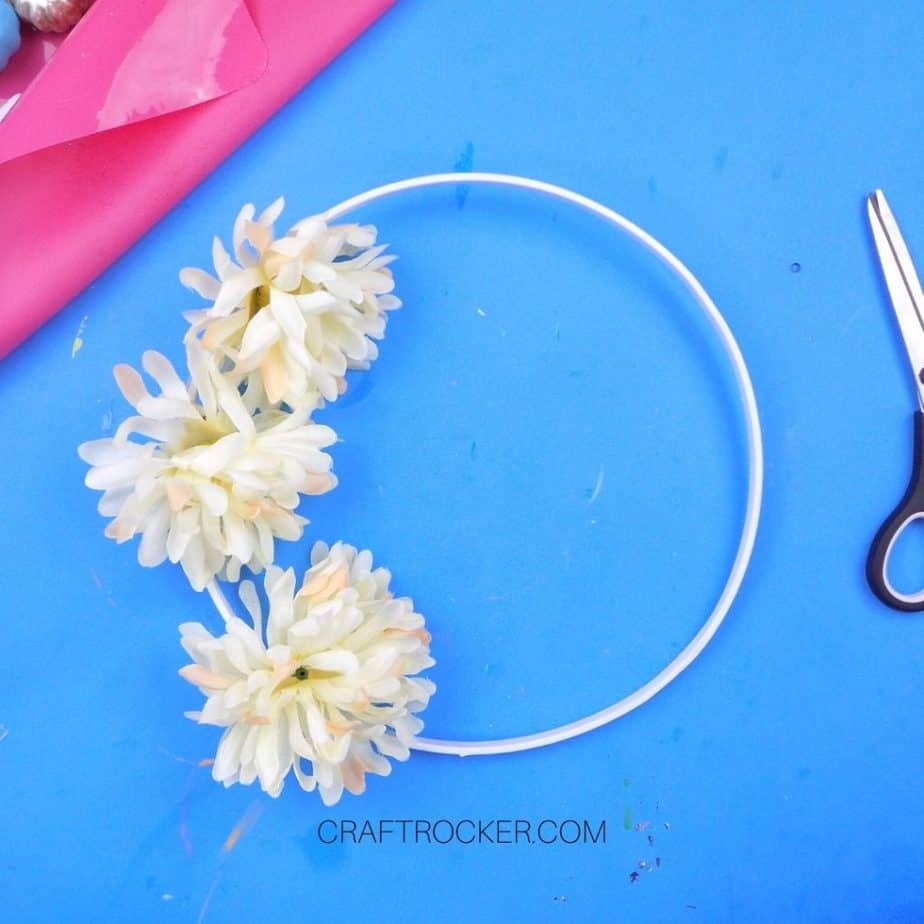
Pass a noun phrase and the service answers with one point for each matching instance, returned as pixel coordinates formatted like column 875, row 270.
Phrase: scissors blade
column 902, row 283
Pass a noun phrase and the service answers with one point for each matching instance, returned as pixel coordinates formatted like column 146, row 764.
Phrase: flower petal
column 200, row 282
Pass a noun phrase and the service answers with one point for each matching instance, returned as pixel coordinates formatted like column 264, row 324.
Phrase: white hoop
column 755, row 464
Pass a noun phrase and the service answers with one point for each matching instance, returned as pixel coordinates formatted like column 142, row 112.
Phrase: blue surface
column 779, row 778
column 9, row 34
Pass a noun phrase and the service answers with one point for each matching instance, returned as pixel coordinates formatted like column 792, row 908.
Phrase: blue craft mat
column 779, row 778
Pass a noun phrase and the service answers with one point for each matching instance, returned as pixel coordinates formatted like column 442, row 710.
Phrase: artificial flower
column 330, row 683
column 297, row 311
column 214, row 478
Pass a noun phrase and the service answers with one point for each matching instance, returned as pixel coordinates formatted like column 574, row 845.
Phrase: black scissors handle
column 911, row 507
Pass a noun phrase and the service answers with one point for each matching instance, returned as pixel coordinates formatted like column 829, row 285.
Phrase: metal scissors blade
column 902, row 282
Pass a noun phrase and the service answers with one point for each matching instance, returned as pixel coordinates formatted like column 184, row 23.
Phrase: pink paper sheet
column 136, row 106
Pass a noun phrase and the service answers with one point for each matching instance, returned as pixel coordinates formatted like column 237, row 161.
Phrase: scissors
column 908, row 301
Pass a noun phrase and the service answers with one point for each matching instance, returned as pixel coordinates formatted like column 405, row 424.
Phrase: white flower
column 330, row 684
column 297, row 311
column 214, row 480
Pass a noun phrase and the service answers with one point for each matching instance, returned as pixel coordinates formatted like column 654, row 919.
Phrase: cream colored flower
column 297, row 311
column 214, row 479
column 331, row 682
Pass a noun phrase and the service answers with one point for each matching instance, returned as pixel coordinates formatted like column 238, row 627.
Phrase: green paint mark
column 77, row 345
column 627, row 808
